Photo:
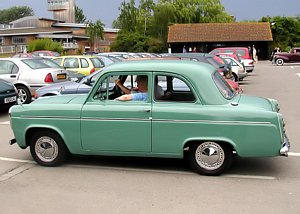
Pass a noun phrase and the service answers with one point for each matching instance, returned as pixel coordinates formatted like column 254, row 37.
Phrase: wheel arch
column 223, row 141
column 32, row 130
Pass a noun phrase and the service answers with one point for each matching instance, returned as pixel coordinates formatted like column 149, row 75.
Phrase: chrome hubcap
column 46, row 149
column 210, row 155
column 22, row 95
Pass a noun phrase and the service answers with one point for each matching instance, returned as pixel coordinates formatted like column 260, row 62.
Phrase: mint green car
column 190, row 112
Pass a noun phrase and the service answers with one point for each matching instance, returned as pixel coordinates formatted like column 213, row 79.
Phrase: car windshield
column 35, row 63
column 225, row 89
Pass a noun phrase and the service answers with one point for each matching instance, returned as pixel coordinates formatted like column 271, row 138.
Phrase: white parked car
column 248, row 64
column 29, row 74
column 238, row 69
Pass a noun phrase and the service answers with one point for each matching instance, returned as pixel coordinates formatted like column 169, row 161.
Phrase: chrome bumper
column 285, row 147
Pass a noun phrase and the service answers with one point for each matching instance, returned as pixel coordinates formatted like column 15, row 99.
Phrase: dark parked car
column 8, row 94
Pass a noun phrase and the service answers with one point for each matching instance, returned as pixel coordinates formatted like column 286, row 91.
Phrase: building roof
column 30, row 31
column 33, row 17
column 220, row 32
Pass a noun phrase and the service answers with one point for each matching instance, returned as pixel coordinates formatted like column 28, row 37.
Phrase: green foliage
column 285, row 30
column 45, row 44
column 79, row 15
column 152, row 20
column 14, row 13
column 94, row 31
column 129, row 41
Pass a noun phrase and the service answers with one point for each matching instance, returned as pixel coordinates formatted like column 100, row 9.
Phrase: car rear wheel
column 48, row 149
column 235, row 77
column 210, row 158
column 279, row 62
column 24, row 94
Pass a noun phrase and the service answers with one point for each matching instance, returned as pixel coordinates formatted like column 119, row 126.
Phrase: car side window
column 241, row 52
column 71, row 63
column 84, row 63
column 172, row 89
column 7, row 67
column 229, row 51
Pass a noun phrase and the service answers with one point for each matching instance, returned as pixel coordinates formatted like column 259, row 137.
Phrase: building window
column 1, row 40
column 18, row 40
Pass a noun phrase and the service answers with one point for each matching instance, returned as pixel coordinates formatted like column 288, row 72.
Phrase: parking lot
column 144, row 185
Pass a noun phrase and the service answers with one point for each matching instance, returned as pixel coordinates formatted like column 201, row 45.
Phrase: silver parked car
column 29, row 74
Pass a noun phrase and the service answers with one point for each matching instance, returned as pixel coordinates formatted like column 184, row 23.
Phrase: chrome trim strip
column 147, row 119
column 50, row 117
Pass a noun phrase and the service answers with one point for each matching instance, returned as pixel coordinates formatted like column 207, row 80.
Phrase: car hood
column 61, row 99
column 257, row 102
column 5, row 86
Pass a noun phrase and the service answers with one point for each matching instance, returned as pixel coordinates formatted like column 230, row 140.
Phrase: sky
column 107, row 10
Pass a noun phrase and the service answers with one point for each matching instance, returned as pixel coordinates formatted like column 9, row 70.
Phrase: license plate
column 10, row 99
column 61, row 76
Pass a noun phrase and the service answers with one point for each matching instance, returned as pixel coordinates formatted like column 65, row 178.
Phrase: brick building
column 72, row 35
column 207, row 36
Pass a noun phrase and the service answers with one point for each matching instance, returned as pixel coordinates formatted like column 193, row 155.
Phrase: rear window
column 35, row 63
column 97, row 63
column 223, row 86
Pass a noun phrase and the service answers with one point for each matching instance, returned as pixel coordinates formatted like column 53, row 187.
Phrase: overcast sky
column 107, row 10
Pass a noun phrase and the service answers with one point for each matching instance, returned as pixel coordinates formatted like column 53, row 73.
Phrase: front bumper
column 285, row 147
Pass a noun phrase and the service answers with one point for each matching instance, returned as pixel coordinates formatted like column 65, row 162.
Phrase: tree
column 79, row 15
column 285, row 31
column 130, row 42
column 127, row 19
column 14, row 13
column 197, row 11
column 152, row 20
column 95, row 31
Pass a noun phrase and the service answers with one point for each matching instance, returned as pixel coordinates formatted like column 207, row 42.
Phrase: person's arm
column 125, row 97
column 122, row 87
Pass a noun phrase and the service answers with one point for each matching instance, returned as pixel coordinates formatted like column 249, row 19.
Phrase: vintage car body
column 209, row 123
column 293, row 56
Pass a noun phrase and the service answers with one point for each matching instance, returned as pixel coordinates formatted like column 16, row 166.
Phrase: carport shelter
column 204, row 37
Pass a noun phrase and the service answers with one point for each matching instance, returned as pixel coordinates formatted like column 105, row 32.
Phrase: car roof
column 182, row 67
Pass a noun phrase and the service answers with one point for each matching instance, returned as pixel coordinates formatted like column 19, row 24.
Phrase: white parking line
column 4, row 123
column 15, row 172
column 257, row 177
column 16, row 160
column 295, row 154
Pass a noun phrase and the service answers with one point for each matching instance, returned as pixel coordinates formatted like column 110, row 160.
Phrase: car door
column 9, row 71
column 109, row 125
column 172, row 115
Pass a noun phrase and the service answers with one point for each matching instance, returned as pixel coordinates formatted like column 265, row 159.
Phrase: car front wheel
column 210, row 158
column 48, row 149
column 279, row 62
column 24, row 94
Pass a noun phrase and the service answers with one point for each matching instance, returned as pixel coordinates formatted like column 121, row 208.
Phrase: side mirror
column 88, row 81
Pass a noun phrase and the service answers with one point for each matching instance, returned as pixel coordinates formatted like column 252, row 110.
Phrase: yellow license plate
column 61, row 76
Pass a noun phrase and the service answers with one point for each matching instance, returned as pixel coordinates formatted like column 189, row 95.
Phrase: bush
column 45, row 44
